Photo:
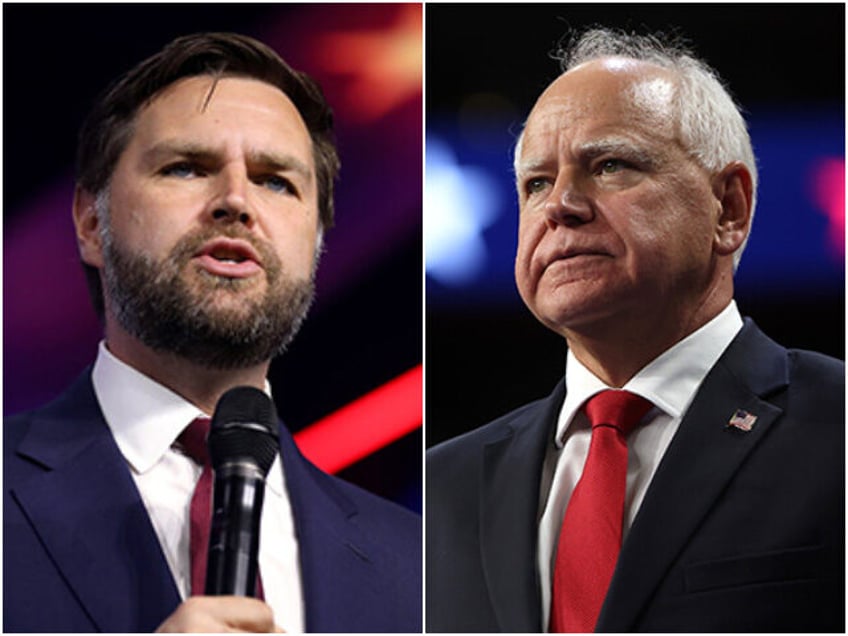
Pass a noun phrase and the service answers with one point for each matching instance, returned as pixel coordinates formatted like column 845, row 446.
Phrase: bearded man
column 205, row 183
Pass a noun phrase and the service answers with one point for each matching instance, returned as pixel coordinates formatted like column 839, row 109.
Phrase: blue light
column 460, row 203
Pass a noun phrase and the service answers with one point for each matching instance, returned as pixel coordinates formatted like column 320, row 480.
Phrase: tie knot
column 193, row 440
column 620, row 409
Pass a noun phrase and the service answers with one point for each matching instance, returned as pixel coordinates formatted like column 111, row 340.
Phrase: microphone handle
column 232, row 563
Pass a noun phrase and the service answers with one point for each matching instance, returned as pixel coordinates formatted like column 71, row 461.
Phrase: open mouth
column 227, row 256
column 230, row 258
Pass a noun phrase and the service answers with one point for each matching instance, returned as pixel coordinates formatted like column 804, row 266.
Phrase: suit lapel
column 338, row 563
column 509, row 507
column 699, row 463
column 88, row 513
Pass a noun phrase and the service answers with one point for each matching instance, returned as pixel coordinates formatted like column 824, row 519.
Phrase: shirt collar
column 144, row 416
column 670, row 381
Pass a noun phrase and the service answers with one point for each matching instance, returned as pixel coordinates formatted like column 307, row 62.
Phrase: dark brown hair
column 109, row 125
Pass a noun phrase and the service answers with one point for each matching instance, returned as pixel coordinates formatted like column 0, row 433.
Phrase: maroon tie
column 590, row 538
column 193, row 442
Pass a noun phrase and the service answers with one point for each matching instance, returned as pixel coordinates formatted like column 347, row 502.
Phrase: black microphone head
column 244, row 429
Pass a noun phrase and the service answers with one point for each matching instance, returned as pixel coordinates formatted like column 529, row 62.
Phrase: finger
column 220, row 614
column 243, row 613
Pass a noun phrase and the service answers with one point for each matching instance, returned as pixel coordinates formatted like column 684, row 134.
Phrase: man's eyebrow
column 281, row 162
column 166, row 149
column 617, row 147
column 526, row 166
column 620, row 147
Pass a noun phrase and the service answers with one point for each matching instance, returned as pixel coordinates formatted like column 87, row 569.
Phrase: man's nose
column 230, row 202
column 568, row 202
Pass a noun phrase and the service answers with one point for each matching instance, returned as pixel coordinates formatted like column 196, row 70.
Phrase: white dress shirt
column 670, row 382
column 146, row 418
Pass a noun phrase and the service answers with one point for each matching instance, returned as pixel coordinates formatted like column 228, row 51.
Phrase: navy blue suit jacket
column 80, row 553
column 738, row 531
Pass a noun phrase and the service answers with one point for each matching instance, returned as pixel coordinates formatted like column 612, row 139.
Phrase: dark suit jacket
column 80, row 553
column 737, row 531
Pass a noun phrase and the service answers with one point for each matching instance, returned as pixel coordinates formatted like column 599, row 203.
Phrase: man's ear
column 87, row 226
column 733, row 189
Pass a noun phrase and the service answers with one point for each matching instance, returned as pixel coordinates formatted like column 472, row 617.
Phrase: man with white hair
column 687, row 472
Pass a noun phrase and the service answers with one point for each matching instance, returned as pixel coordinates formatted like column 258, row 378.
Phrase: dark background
column 365, row 328
column 487, row 63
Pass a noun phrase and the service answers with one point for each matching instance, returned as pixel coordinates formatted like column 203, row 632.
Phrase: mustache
column 188, row 246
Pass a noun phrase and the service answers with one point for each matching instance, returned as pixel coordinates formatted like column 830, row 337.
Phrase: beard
column 173, row 306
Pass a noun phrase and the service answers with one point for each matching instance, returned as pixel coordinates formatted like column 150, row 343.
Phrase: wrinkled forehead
column 606, row 90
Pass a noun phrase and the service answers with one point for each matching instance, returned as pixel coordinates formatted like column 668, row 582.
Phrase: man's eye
column 611, row 166
column 536, row 185
column 276, row 183
column 183, row 170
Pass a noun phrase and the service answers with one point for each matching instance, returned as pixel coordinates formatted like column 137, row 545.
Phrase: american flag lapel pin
column 743, row 420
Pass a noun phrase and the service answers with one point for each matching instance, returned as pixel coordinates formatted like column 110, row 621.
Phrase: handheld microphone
column 242, row 445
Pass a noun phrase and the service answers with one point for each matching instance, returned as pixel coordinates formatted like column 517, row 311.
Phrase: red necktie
column 590, row 538
column 193, row 441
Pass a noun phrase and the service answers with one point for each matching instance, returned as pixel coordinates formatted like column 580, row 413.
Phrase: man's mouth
column 229, row 258
column 572, row 254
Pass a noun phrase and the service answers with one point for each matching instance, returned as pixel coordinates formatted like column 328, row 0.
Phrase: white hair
column 710, row 123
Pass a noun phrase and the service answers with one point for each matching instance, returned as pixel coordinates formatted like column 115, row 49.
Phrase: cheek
column 694, row 223
column 149, row 217
column 667, row 236
column 529, row 234
column 295, row 246
column 135, row 221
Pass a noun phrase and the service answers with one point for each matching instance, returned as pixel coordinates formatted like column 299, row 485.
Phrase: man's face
column 213, row 223
column 616, row 220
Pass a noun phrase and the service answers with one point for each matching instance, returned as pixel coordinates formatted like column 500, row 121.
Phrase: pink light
column 828, row 181
column 365, row 425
